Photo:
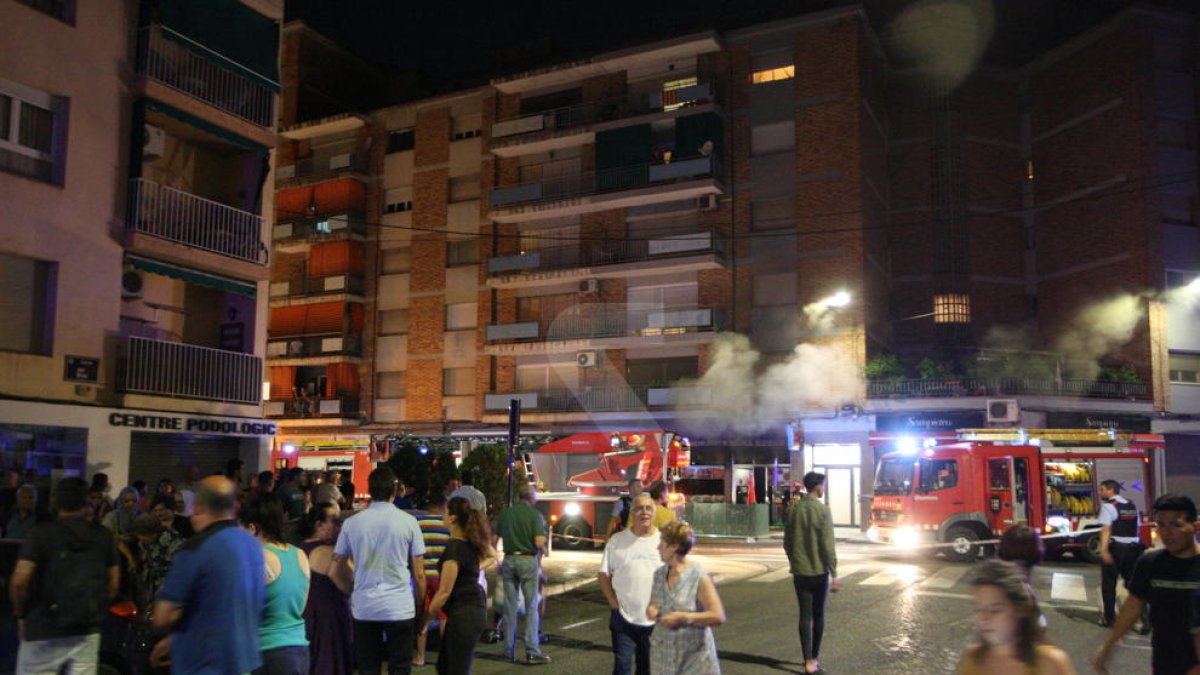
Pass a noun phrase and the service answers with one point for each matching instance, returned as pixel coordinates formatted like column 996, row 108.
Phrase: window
column 404, row 139
column 773, row 74
column 398, row 207
column 766, row 139
column 393, row 322
column 952, row 308
column 458, row 381
column 465, row 134
column 661, row 372
column 27, row 308
column 396, row 260
column 938, row 474
column 464, row 189
column 670, row 93
column 461, row 252
column 391, row 385
column 461, row 316
column 64, row 10
column 31, row 123
column 398, row 200
column 1185, row 368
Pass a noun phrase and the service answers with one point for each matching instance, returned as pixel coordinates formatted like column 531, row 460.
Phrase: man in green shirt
column 523, row 530
column 808, row 540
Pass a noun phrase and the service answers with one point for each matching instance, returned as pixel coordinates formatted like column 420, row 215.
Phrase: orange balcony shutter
column 357, row 258
column 338, row 196
column 335, row 257
column 317, row 261
column 287, row 321
column 341, row 377
column 283, row 381
column 326, row 317
column 292, row 204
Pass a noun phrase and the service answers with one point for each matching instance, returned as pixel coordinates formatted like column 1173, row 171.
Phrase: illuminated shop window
column 952, row 308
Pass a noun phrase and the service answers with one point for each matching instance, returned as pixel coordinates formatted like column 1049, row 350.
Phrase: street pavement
column 896, row 613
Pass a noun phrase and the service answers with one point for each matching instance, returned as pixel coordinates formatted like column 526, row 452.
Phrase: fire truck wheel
column 573, row 534
column 1091, row 549
column 962, row 546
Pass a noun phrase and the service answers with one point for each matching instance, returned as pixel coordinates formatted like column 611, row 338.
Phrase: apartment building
column 137, row 142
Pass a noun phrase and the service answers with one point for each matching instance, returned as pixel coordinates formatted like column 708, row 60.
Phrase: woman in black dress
column 459, row 594
column 327, row 614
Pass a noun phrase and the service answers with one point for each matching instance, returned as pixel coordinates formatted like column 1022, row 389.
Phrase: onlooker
column 98, row 506
column 24, row 515
column 1010, row 635
column 290, row 494
column 143, row 497
column 65, row 576
column 685, row 606
column 121, row 518
column 347, row 488
column 1119, row 545
column 1021, row 545
column 385, row 545
column 523, row 530
column 469, row 492
column 1159, row 577
column 214, row 593
column 327, row 614
column 621, row 512
column 162, row 508
column 234, row 470
column 8, row 494
column 435, row 533
column 662, row 514
column 626, row 578
column 467, row 552
column 156, row 548
column 329, row 490
column 404, row 499
column 266, row 483
column 809, row 543
column 101, row 485
column 187, row 488
column 281, row 629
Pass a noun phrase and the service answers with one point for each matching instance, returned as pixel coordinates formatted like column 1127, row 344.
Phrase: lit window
column 773, row 74
column 952, row 308
column 670, row 93
column 1185, row 368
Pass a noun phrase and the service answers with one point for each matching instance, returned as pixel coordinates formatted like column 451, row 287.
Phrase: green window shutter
column 623, row 157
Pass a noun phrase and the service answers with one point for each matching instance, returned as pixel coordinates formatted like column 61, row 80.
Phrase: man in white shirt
column 1120, row 545
column 626, row 577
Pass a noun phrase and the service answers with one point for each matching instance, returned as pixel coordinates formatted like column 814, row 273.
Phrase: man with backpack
column 67, row 572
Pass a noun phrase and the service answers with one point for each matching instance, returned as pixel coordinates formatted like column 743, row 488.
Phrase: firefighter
column 1119, row 544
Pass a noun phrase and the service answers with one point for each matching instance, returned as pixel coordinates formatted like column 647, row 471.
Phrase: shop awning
column 228, row 33
column 192, row 276
column 207, row 127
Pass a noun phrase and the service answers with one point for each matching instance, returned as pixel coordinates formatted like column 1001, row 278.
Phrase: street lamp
column 839, row 299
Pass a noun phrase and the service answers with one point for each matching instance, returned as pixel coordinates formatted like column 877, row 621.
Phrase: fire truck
column 354, row 459
column 579, row 514
column 970, row 488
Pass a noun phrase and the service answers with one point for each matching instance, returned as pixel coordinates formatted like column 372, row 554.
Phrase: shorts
column 431, row 589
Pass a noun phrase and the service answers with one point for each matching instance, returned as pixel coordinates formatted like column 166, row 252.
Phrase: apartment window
column 63, row 10
column 458, row 381
column 461, row 252
column 393, row 322
column 952, row 308
column 670, row 95
column 464, row 189
column 1185, row 368
column 31, row 122
column 391, row 385
column 396, row 260
column 398, row 200
column 398, row 207
column 399, row 141
column 27, row 306
column 766, row 139
column 461, row 316
column 466, row 126
column 773, row 74
column 465, row 134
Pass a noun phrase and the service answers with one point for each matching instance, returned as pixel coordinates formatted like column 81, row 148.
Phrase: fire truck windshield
column 894, row 476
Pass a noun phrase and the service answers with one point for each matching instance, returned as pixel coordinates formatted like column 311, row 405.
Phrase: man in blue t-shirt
column 214, row 592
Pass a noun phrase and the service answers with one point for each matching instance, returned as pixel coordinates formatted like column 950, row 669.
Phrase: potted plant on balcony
column 885, row 368
column 1111, row 377
column 930, row 370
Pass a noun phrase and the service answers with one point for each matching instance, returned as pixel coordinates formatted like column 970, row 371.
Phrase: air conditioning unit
column 154, row 142
column 589, row 287
column 132, row 285
column 339, row 161
column 706, row 203
column 1003, row 410
column 587, row 359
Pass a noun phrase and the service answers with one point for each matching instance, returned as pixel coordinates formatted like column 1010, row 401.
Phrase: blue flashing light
column 424, row 449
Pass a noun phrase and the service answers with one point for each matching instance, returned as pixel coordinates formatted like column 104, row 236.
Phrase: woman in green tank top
column 281, row 635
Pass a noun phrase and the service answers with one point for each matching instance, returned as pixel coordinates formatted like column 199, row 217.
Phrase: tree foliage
column 489, row 465
column 426, row 471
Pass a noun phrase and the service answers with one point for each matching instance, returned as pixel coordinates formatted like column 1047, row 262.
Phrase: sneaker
column 536, row 659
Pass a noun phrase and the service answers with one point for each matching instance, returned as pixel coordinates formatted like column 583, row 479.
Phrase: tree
column 489, row 466
column 422, row 470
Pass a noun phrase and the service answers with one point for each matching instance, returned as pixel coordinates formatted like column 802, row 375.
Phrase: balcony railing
column 166, row 60
column 163, row 368
column 300, row 408
column 317, row 168
column 1006, row 387
column 308, row 346
column 587, row 399
column 184, row 218
column 607, row 321
column 592, row 254
column 307, row 286
column 608, row 180
column 320, row 228
column 607, row 110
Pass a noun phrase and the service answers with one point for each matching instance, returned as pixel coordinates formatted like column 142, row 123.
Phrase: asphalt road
column 894, row 615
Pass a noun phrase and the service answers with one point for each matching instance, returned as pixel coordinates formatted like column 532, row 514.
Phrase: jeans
column 284, row 661
column 1124, row 557
column 463, row 627
column 810, row 595
column 520, row 572
column 369, row 642
column 74, row 655
column 630, row 644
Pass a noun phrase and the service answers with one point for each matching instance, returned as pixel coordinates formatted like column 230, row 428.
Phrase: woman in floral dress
column 684, row 606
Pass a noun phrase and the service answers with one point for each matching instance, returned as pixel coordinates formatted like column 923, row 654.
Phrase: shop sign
column 920, row 422
column 194, row 425
column 81, row 369
column 1136, row 424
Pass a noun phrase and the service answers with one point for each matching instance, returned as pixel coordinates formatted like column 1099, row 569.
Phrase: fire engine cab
column 970, row 488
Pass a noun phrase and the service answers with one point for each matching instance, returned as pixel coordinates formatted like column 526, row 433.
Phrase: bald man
column 214, row 592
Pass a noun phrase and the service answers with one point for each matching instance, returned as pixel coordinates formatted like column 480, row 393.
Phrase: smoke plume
column 1098, row 330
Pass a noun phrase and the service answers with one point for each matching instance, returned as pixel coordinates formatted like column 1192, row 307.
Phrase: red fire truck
column 579, row 511
column 354, row 459
column 963, row 490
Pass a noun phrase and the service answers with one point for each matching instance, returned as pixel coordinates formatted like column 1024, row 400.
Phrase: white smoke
column 1099, row 329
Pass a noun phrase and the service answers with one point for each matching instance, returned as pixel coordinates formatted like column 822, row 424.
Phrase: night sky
column 458, row 44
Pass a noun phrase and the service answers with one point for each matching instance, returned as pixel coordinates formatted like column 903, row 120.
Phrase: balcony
column 608, row 189
column 183, row 218
column 301, row 287
column 184, row 65
column 598, row 320
column 595, row 254
column 633, row 397
column 1007, row 387
column 314, row 169
column 313, row 407
column 313, row 346
column 162, row 368
column 320, row 229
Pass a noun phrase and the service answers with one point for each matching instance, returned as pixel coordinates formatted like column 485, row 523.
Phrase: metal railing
column 180, row 370
column 181, row 68
column 310, row 286
column 313, row 406
column 307, row 346
column 602, row 320
column 590, row 254
column 184, row 218
column 592, row 399
column 606, row 110
column 1005, row 387
column 608, row 180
